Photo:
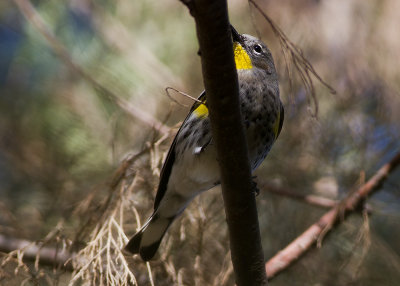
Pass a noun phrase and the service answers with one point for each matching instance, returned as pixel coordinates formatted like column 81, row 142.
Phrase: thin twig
column 102, row 259
column 310, row 199
column 301, row 64
column 119, row 37
column 182, row 93
column 302, row 243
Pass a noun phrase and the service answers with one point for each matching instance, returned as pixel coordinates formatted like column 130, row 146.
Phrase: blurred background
column 73, row 106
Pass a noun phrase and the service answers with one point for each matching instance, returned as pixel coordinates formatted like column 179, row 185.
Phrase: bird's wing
column 169, row 161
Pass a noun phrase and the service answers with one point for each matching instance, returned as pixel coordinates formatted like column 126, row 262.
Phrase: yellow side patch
column 242, row 59
column 201, row 111
column 276, row 125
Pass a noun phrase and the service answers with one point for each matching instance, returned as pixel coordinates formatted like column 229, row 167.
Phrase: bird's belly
column 259, row 141
column 195, row 173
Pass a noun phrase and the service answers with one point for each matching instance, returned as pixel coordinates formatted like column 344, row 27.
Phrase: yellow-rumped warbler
column 191, row 166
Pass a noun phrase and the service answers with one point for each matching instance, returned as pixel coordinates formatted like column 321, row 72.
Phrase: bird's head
column 251, row 52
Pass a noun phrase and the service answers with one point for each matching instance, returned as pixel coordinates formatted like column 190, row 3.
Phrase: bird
column 191, row 165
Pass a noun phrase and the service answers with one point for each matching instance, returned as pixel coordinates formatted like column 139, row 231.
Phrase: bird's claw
column 255, row 188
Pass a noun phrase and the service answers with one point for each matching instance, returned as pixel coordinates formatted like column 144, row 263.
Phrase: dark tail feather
column 148, row 252
column 133, row 245
column 147, row 240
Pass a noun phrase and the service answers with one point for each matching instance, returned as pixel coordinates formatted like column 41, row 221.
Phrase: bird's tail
column 147, row 240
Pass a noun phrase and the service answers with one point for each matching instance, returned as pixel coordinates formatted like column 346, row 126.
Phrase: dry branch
column 310, row 199
column 32, row 251
column 101, row 260
column 30, row 13
column 314, row 233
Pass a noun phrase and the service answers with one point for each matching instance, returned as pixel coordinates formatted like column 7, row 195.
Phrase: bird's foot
column 255, row 188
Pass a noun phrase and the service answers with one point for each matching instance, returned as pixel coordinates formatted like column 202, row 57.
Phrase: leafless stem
column 310, row 199
column 313, row 234
column 293, row 54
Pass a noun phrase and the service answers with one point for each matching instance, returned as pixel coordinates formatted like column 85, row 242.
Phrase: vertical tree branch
column 221, row 84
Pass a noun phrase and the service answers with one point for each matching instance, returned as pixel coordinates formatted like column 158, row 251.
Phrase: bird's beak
column 236, row 37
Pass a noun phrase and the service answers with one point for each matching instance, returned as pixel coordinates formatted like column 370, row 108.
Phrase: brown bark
column 221, row 84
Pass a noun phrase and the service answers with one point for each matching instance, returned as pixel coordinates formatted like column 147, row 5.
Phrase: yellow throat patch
column 243, row 62
column 242, row 59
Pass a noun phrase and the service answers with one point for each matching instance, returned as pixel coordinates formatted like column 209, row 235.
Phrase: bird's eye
column 257, row 48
